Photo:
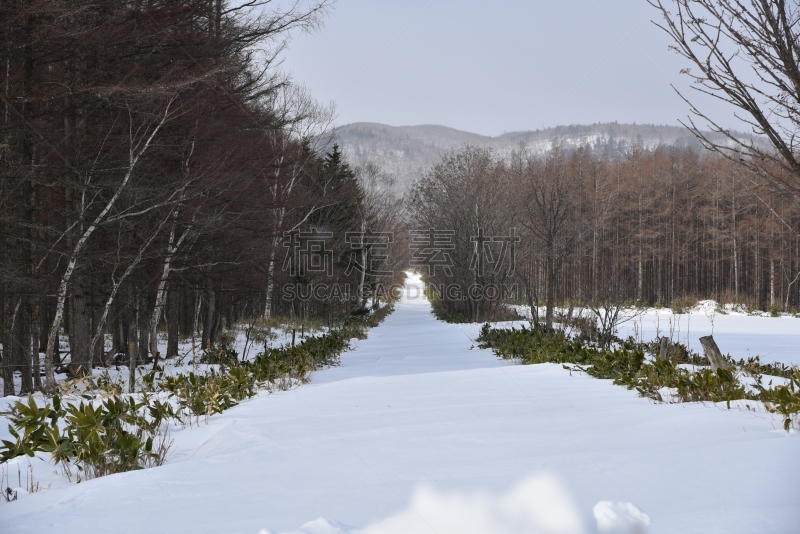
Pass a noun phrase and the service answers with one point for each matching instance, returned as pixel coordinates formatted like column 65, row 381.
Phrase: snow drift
column 538, row 504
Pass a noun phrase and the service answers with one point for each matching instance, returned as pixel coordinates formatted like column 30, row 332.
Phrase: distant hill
column 406, row 152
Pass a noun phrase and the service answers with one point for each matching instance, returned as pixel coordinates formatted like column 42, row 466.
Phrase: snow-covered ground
column 742, row 335
column 420, row 431
column 189, row 356
column 774, row 339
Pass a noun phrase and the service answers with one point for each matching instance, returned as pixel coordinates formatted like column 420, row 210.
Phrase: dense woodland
column 158, row 173
column 652, row 227
column 152, row 160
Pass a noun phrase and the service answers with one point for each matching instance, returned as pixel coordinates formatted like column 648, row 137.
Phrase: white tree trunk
column 52, row 337
column 270, row 284
column 161, row 293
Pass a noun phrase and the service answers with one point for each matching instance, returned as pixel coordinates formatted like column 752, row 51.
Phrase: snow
column 420, row 431
column 189, row 352
column 774, row 339
column 620, row 517
column 738, row 333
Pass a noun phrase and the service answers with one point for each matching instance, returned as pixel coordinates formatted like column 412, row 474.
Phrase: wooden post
column 713, row 353
column 663, row 349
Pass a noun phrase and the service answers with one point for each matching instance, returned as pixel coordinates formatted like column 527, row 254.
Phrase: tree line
column 652, row 227
column 153, row 161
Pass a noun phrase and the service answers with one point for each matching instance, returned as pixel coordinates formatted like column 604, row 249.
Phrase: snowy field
column 419, row 431
column 742, row 335
column 189, row 354
column 774, row 339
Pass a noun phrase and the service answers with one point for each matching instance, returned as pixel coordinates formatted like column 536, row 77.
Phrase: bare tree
column 464, row 200
column 380, row 213
column 141, row 137
column 546, row 207
column 303, row 120
column 747, row 54
column 101, row 215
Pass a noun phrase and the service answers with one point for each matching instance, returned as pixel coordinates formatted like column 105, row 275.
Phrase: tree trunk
column 640, row 278
column 24, row 348
column 217, row 328
column 79, row 332
column 187, row 301
column 551, row 292
column 663, row 349
column 132, row 313
column 713, row 353
column 34, row 341
column 98, row 326
column 120, row 328
column 772, row 284
column 173, row 321
column 8, row 369
column 14, row 348
column 144, row 329
column 208, row 322
column 270, row 284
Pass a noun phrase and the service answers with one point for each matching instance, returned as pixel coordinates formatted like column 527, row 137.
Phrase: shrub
column 784, row 399
column 121, row 433
column 625, row 364
column 114, row 436
column 676, row 352
column 683, row 304
column 441, row 313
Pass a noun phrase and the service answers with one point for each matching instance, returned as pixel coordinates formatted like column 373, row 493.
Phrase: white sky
column 490, row 67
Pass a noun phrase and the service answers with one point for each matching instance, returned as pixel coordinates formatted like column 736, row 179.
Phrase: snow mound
column 620, row 518
column 319, row 526
column 537, row 505
column 707, row 307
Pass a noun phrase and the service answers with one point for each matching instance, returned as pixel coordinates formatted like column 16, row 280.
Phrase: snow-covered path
column 415, row 405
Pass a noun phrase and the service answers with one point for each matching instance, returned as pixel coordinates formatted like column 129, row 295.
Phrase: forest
column 160, row 175
column 156, row 168
column 236, row 313
column 661, row 227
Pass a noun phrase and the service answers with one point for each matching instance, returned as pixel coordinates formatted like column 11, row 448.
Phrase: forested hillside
column 406, row 152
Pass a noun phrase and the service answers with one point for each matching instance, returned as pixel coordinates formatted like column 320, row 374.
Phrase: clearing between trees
column 419, row 430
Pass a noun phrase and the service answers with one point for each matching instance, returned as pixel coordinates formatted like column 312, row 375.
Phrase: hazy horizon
column 495, row 68
column 543, row 128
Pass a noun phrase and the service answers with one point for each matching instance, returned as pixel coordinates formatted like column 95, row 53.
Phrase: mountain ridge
column 406, row 152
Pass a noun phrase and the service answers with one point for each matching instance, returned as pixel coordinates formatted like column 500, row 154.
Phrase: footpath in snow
column 420, row 431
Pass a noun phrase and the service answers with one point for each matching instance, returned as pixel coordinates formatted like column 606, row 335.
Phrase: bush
column 533, row 345
column 784, row 399
column 626, row 365
column 753, row 367
column 441, row 313
column 115, row 436
column 683, row 304
column 220, row 355
column 676, row 352
column 121, row 433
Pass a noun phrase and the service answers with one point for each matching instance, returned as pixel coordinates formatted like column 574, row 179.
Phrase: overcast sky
column 492, row 67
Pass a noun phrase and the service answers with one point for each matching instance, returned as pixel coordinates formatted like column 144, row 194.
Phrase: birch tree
column 140, row 139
